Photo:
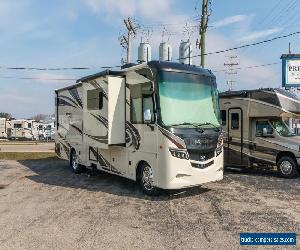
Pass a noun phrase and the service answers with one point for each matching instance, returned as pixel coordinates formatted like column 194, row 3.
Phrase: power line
column 249, row 67
column 73, row 79
column 38, row 78
column 56, row 69
column 246, row 45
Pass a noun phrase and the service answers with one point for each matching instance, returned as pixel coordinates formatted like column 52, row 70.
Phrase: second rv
column 256, row 132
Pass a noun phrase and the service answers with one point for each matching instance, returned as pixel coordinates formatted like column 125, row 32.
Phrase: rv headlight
column 220, row 140
column 181, row 154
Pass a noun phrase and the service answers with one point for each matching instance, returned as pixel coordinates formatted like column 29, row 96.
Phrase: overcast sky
column 84, row 33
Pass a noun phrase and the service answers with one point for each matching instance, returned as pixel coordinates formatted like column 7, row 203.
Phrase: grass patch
column 18, row 156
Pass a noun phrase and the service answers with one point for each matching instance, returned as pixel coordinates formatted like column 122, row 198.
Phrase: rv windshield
column 188, row 100
column 281, row 128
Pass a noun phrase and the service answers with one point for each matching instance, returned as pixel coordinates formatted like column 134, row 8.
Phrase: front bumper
column 185, row 175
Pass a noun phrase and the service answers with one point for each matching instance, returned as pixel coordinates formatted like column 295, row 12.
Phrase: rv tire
column 74, row 163
column 287, row 167
column 145, row 179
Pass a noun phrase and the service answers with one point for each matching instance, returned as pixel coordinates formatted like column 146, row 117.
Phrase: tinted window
column 138, row 106
column 224, row 117
column 235, row 121
column 136, row 110
column 148, row 104
column 29, row 125
column 94, row 99
column 260, row 125
column 17, row 125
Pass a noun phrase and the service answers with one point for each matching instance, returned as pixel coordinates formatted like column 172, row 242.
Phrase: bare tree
column 5, row 115
column 39, row 117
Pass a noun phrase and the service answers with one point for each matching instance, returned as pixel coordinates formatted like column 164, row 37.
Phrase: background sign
column 291, row 70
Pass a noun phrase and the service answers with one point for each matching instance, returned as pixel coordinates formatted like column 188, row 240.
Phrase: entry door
column 235, row 137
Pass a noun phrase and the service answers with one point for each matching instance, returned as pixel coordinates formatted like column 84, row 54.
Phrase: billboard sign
column 291, row 70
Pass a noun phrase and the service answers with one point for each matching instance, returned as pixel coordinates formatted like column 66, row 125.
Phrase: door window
column 235, row 121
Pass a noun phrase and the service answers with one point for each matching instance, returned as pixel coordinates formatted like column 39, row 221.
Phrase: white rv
column 22, row 130
column 256, row 132
column 156, row 123
column 3, row 131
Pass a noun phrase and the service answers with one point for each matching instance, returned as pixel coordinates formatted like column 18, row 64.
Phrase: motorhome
column 256, row 133
column 22, row 130
column 156, row 123
column 3, row 132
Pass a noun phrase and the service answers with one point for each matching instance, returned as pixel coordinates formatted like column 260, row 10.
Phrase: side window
column 235, row 121
column 94, row 99
column 260, row 125
column 29, row 125
column 136, row 110
column 138, row 106
column 141, row 96
column 148, row 104
column 224, row 117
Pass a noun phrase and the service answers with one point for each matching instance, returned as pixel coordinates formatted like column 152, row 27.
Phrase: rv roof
column 245, row 93
column 159, row 65
column 102, row 73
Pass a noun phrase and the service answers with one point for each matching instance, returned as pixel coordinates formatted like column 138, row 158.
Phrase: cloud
column 230, row 20
column 130, row 7
column 53, row 79
column 252, row 36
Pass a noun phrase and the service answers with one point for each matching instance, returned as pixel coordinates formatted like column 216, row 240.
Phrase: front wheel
column 74, row 163
column 287, row 167
column 146, row 177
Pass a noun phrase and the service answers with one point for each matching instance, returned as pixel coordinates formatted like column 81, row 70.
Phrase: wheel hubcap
column 74, row 161
column 147, row 178
column 286, row 167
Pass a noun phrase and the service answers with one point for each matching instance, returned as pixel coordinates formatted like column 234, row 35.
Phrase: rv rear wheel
column 74, row 163
column 145, row 179
column 287, row 167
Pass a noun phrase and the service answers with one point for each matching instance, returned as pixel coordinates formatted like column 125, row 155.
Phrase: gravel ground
column 43, row 205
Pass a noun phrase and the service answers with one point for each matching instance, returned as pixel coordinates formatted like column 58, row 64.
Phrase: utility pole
column 230, row 65
column 202, row 29
column 131, row 32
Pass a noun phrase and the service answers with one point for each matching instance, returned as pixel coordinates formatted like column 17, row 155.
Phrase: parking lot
column 43, row 205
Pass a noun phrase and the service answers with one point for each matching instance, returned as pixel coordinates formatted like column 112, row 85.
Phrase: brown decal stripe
column 62, row 102
column 94, row 83
column 104, row 163
column 74, row 93
column 101, row 119
column 69, row 99
column 76, row 128
column 101, row 139
column 170, row 137
column 132, row 132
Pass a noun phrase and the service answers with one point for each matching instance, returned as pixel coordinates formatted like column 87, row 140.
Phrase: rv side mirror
column 147, row 116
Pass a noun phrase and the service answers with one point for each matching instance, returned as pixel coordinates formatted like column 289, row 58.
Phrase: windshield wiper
column 184, row 124
column 210, row 124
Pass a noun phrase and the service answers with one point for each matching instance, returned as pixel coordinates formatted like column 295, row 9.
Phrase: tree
column 5, row 115
column 39, row 117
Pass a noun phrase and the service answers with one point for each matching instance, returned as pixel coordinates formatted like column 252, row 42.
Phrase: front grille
column 202, row 166
column 196, row 155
